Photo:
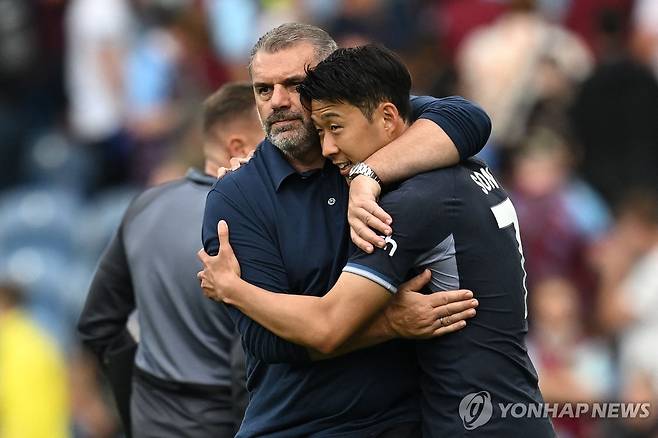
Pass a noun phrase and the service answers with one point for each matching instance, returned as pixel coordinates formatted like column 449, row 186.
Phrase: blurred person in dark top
column 32, row 96
column 613, row 118
column 184, row 381
column 392, row 23
column 583, row 18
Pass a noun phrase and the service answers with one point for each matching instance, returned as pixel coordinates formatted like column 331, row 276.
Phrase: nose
column 329, row 147
column 280, row 97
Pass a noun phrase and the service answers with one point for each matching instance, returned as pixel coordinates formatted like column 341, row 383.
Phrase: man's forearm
column 320, row 323
column 423, row 146
column 302, row 319
column 281, row 313
column 376, row 332
column 445, row 131
column 296, row 318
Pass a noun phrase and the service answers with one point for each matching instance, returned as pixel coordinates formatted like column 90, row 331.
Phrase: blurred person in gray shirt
column 182, row 378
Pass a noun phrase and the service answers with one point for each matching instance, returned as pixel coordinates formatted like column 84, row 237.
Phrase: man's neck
column 312, row 162
column 303, row 167
column 400, row 127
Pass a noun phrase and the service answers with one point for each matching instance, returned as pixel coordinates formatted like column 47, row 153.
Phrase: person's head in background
column 637, row 221
column 277, row 66
column 231, row 128
column 543, row 164
column 556, row 312
column 359, row 101
column 11, row 297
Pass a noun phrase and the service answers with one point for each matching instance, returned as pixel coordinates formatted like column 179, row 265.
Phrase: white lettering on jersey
column 505, row 215
column 485, row 180
column 394, row 245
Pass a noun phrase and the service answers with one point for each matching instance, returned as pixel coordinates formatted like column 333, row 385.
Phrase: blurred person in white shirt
column 517, row 61
column 572, row 365
column 645, row 33
column 99, row 33
column 627, row 263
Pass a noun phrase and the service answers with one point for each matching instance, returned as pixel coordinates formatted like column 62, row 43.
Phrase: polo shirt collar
column 280, row 169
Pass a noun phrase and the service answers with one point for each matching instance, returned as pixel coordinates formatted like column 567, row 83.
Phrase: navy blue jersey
column 460, row 224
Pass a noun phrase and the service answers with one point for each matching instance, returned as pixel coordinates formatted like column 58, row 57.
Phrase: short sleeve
column 467, row 125
column 421, row 215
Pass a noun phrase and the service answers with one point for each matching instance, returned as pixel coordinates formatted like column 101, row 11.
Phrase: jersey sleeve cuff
column 372, row 275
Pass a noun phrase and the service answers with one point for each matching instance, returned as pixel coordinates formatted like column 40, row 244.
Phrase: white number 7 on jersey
column 505, row 215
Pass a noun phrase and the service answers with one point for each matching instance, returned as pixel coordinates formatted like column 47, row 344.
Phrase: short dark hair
column 230, row 101
column 363, row 76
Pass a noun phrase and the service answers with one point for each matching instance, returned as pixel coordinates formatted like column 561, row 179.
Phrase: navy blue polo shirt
column 290, row 234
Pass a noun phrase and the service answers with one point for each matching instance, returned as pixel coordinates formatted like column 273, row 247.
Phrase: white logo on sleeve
column 394, row 245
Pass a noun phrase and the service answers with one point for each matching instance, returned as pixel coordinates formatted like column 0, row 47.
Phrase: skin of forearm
column 323, row 324
column 422, row 147
column 279, row 313
column 376, row 332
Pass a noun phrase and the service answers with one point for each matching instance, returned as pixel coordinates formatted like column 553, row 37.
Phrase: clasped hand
column 220, row 275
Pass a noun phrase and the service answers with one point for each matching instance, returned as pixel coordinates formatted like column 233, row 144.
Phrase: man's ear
column 390, row 114
column 237, row 146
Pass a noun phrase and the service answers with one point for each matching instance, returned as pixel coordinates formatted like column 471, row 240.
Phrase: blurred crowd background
column 101, row 98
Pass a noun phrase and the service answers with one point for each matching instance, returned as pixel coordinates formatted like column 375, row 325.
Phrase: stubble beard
column 300, row 143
